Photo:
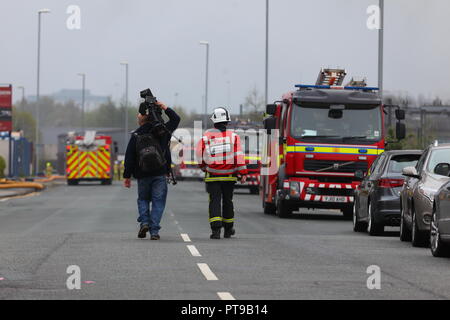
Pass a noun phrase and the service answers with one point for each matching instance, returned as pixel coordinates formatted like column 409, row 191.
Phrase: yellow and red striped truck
column 89, row 159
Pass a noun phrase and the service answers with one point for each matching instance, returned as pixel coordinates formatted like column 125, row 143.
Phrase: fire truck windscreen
column 354, row 123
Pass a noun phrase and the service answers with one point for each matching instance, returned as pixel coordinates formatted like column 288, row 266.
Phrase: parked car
column 440, row 221
column 417, row 196
column 377, row 199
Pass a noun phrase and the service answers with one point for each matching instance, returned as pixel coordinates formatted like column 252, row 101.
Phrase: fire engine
column 89, row 158
column 323, row 139
column 188, row 168
column 251, row 141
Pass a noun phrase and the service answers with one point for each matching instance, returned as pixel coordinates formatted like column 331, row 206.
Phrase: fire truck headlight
column 294, row 189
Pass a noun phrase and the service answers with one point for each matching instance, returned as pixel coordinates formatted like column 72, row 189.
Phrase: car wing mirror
column 410, row 172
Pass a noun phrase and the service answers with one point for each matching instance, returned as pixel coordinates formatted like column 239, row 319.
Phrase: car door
column 365, row 187
column 411, row 186
column 444, row 210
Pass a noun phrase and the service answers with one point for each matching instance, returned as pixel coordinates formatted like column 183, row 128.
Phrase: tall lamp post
column 266, row 91
column 37, row 87
column 83, row 86
column 380, row 48
column 206, row 43
column 125, row 63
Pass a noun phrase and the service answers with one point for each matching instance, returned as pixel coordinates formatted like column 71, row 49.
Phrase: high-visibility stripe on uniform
column 228, row 220
column 215, row 219
column 212, row 179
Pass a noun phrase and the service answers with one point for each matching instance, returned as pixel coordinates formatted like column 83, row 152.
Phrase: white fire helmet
column 220, row 115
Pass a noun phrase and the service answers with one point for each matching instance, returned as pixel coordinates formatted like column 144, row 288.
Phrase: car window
column 374, row 168
column 438, row 156
column 398, row 162
column 421, row 162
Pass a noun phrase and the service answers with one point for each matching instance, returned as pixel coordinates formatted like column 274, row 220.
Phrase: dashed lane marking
column 225, row 296
column 209, row 275
column 185, row 237
column 194, row 251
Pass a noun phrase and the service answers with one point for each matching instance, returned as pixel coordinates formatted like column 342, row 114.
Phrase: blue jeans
column 152, row 190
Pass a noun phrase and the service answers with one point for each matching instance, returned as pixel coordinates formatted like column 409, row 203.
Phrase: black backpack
column 150, row 155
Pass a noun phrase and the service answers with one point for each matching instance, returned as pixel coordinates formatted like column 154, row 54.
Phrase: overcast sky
column 160, row 40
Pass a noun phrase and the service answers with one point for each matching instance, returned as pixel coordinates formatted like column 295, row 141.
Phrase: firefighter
column 116, row 170
column 220, row 156
column 49, row 169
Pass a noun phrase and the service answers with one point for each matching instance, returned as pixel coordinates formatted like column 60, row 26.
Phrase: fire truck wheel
column 72, row 182
column 269, row 208
column 106, row 182
column 283, row 210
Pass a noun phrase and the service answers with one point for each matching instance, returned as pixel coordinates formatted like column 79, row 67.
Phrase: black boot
column 215, row 234
column 229, row 232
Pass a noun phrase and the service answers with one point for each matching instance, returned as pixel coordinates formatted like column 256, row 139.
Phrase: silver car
column 440, row 221
column 417, row 195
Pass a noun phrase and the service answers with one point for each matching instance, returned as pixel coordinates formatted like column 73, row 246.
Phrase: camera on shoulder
column 154, row 112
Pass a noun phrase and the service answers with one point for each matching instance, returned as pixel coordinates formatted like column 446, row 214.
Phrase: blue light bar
column 303, row 86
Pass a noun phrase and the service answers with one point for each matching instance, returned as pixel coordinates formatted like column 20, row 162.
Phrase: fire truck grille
column 334, row 166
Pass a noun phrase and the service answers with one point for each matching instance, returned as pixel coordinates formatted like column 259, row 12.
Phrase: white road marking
column 185, row 237
column 175, row 221
column 209, row 275
column 194, row 251
column 225, row 296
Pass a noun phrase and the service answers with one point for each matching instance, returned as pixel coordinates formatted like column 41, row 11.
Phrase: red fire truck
column 251, row 140
column 89, row 158
column 323, row 139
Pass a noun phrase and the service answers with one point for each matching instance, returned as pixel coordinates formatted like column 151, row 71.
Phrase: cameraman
column 152, row 186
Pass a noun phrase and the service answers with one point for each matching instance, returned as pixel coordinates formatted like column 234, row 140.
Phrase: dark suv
column 377, row 199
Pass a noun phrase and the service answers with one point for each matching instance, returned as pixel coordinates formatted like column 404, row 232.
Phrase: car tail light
column 390, row 183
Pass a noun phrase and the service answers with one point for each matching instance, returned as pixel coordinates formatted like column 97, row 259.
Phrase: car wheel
column 438, row 248
column 405, row 233
column 283, row 210
column 418, row 238
column 374, row 228
column 358, row 226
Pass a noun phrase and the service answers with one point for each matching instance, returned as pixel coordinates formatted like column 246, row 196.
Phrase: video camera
column 149, row 103
column 154, row 112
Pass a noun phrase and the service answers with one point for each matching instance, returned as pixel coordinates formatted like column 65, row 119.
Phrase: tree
column 24, row 121
column 254, row 101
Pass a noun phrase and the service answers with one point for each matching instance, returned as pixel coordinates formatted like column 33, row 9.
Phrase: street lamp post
column 206, row 43
column 266, row 93
column 83, row 76
column 126, row 103
column 380, row 48
column 37, row 88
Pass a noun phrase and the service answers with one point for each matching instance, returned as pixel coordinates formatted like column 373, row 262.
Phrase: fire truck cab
column 328, row 135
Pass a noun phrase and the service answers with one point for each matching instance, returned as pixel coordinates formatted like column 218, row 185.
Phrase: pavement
column 313, row 255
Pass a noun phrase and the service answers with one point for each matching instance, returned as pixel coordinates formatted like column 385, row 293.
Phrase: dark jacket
column 131, row 161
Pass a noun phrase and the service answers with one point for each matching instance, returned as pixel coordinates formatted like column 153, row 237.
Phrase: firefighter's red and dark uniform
column 219, row 154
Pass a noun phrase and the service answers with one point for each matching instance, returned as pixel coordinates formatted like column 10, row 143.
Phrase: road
column 310, row 256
